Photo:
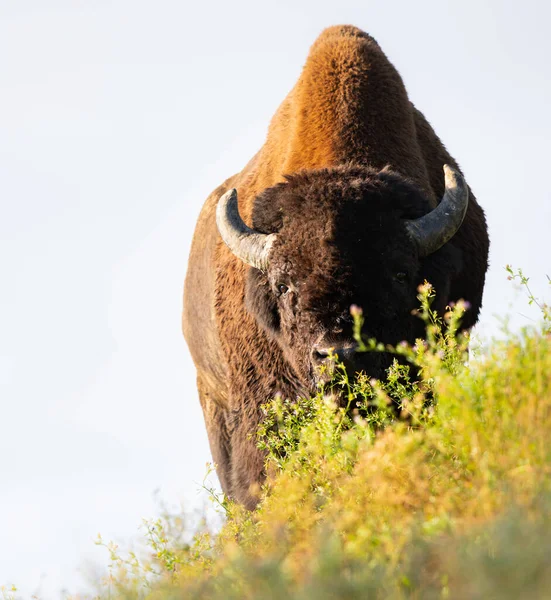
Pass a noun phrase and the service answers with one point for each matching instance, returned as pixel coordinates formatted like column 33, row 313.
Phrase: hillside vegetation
column 446, row 497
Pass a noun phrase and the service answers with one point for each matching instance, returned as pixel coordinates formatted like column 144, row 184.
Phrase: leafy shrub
column 433, row 486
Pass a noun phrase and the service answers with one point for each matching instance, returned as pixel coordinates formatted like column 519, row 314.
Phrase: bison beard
column 342, row 202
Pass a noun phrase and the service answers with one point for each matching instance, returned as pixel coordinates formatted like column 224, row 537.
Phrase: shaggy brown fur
column 363, row 158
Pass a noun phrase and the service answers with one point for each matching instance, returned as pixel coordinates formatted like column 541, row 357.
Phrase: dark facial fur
column 342, row 241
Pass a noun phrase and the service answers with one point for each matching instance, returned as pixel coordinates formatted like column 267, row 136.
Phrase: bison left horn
column 250, row 246
column 436, row 228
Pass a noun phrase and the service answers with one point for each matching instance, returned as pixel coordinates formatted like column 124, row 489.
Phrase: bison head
column 324, row 240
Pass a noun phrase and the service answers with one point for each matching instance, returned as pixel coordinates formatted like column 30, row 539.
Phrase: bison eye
column 282, row 289
column 401, row 277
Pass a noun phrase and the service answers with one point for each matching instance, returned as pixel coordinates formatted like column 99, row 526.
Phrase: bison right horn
column 436, row 228
column 250, row 246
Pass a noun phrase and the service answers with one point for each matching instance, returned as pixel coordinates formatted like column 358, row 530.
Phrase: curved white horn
column 433, row 230
column 248, row 245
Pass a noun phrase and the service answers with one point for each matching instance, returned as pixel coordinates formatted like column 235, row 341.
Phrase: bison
column 353, row 199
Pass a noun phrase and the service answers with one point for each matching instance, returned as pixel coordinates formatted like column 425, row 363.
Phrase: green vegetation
column 445, row 499
column 446, row 496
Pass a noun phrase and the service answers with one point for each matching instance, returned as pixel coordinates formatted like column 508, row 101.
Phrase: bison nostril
column 319, row 354
column 344, row 354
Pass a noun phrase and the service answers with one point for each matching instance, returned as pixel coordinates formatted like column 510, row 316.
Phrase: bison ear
column 261, row 302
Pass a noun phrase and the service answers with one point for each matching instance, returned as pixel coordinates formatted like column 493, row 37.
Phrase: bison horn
column 436, row 228
column 248, row 245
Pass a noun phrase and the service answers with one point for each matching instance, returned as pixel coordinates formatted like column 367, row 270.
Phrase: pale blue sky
column 117, row 118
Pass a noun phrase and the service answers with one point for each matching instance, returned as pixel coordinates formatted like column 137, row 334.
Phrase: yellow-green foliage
column 450, row 499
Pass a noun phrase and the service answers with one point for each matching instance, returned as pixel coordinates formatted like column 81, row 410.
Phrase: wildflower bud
column 424, row 287
column 355, row 310
column 420, row 345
